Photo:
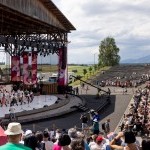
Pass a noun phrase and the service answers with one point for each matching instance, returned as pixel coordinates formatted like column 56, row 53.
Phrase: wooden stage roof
column 32, row 17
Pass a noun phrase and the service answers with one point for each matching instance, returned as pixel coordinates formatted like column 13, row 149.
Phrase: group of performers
column 15, row 97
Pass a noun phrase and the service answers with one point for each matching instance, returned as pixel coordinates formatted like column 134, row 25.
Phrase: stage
column 38, row 102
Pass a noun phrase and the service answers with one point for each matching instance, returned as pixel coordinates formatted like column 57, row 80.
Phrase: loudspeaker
column 56, row 102
column 45, row 106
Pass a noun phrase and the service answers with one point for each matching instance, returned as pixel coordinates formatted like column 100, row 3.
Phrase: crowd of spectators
column 132, row 80
column 137, row 119
column 70, row 139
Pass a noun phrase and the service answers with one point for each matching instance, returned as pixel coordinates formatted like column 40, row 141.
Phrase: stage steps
column 81, row 107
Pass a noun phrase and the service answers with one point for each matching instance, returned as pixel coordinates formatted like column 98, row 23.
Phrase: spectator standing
column 95, row 126
column 96, row 116
column 77, row 144
column 14, row 133
column 100, row 144
column 84, row 120
column 47, row 144
column 56, row 146
column 39, row 137
column 52, row 133
column 106, row 127
column 72, row 132
column 87, row 88
column 64, row 141
column 77, row 90
column 93, row 142
column 30, row 140
column 146, row 144
column 80, row 135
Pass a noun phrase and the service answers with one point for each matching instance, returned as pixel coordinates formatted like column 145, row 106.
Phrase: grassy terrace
column 87, row 76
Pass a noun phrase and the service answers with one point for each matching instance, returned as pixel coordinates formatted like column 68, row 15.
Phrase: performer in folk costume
column 4, row 100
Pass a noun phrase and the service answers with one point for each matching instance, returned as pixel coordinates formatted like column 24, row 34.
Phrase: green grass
column 48, row 68
column 87, row 76
column 78, row 68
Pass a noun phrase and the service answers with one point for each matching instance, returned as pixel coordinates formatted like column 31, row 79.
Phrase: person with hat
column 14, row 133
column 100, row 143
column 30, row 140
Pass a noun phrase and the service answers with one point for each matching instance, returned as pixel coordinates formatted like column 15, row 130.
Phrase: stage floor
column 38, row 102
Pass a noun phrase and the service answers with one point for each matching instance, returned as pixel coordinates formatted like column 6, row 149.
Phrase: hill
column 145, row 59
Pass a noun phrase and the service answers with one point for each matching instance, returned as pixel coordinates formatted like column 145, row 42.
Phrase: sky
column 127, row 21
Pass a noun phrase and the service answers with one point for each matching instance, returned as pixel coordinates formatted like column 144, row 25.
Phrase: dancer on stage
column 3, row 100
column 13, row 100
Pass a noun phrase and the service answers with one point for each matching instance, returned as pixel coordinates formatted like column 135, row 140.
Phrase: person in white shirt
column 48, row 144
column 52, row 133
column 93, row 142
column 100, row 143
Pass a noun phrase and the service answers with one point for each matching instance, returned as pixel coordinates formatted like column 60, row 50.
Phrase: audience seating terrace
column 135, row 74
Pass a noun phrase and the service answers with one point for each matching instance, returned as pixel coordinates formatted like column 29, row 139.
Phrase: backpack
column 41, row 146
column 103, row 126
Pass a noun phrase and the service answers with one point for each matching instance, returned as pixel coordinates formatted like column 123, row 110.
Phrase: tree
column 84, row 72
column 95, row 67
column 90, row 69
column 108, row 52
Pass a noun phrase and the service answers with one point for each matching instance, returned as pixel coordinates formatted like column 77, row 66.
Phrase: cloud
column 127, row 21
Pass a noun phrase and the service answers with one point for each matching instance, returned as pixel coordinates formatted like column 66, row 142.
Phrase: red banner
column 15, row 68
column 34, row 67
column 26, row 72
column 62, row 68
